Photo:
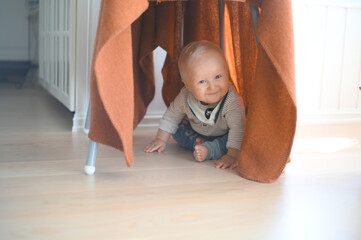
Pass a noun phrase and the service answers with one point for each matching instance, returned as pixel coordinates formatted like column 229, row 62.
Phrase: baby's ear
column 180, row 77
column 185, row 83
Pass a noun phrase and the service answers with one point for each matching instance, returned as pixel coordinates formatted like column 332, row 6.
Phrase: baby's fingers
column 219, row 163
column 230, row 165
column 150, row 148
column 225, row 163
column 161, row 148
column 234, row 165
column 155, row 146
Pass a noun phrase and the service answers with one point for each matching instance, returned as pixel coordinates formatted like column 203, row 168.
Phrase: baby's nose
column 211, row 85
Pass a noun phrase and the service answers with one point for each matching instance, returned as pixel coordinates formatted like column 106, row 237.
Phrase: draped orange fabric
column 122, row 83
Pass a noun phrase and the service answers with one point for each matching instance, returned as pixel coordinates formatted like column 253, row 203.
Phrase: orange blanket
column 122, row 83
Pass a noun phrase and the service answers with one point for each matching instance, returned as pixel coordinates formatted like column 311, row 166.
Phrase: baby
column 214, row 125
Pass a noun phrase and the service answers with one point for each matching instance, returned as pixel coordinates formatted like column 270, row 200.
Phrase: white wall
column 14, row 30
column 34, row 33
column 157, row 107
column 328, row 60
column 57, row 39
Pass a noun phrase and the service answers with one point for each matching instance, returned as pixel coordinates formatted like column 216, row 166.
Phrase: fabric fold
column 272, row 113
column 122, row 83
column 112, row 85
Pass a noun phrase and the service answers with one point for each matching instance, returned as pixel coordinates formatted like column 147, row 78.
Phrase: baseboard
column 328, row 118
column 150, row 121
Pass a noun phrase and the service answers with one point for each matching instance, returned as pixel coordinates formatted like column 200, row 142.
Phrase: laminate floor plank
column 45, row 194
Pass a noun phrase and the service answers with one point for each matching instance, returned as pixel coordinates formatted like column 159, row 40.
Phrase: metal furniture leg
column 221, row 6
column 255, row 14
column 89, row 167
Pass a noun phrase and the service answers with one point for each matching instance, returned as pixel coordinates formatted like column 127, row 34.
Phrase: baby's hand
column 226, row 162
column 156, row 144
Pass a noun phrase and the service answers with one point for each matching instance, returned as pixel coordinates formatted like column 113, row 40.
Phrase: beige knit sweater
column 230, row 119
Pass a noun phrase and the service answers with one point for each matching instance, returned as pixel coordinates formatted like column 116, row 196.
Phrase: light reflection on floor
column 324, row 145
column 324, row 155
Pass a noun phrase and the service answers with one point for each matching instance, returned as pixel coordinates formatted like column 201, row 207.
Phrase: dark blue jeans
column 186, row 137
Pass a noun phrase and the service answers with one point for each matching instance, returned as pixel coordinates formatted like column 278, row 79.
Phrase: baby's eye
column 218, row 76
column 202, row 81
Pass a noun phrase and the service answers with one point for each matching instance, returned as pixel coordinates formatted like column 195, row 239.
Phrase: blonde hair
column 197, row 49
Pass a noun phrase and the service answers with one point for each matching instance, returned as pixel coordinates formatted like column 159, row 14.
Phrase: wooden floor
column 44, row 193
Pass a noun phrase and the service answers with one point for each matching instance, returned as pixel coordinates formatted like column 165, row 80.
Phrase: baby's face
column 206, row 77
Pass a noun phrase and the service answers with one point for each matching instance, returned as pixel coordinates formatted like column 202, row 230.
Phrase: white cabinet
column 57, row 32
